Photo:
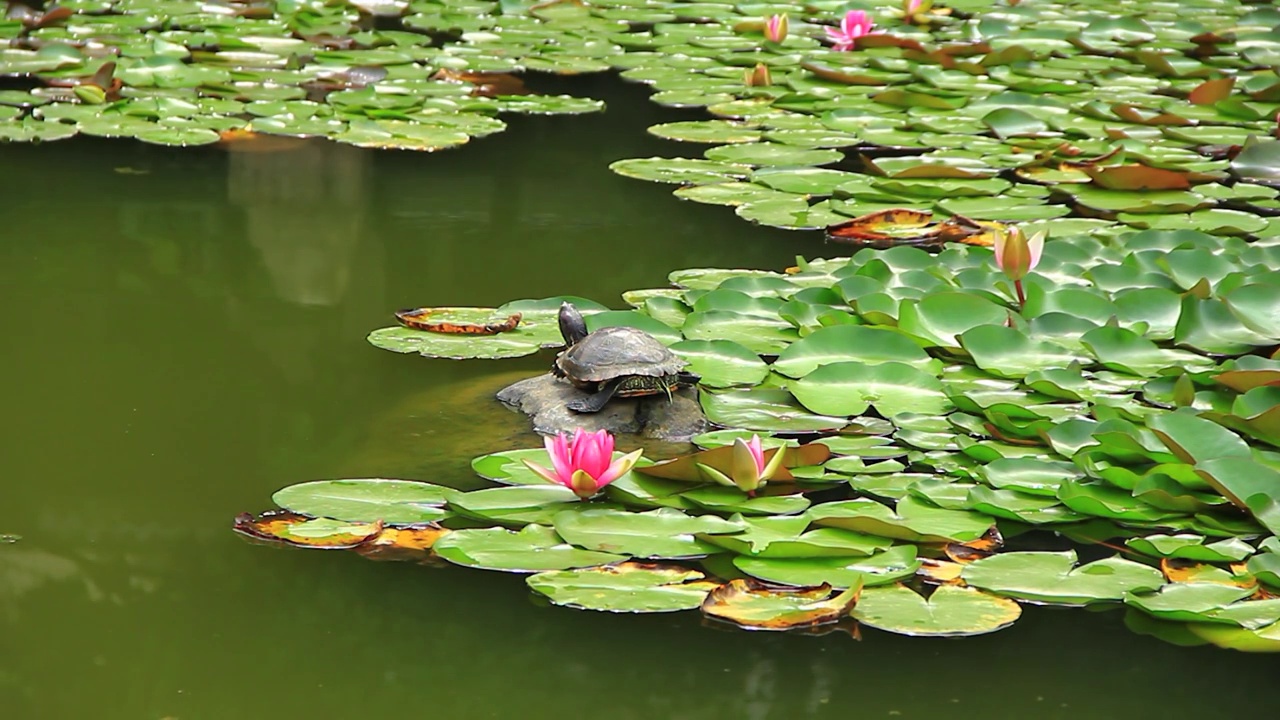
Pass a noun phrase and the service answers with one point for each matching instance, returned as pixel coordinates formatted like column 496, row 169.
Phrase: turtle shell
column 614, row 352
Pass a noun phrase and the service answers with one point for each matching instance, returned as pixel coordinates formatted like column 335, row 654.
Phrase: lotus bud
column 775, row 28
column 1016, row 255
column 749, row 471
column 758, row 76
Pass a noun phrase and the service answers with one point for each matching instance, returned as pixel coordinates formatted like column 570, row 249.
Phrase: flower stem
column 1022, row 297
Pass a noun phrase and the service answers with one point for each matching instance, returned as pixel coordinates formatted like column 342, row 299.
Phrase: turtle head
column 572, row 327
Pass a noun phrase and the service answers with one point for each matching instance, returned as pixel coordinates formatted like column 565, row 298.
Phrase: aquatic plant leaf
column 912, row 520
column 1053, row 578
column 685, row 467
column 891, row 565
column 1265, row 639
column 764, row 409
column 1266, row 567
column 951, row 611
column 851, row 342
column 1191, row 547
column 724, row 500
column 753, row 606
column 630, row 587
column 412, row 542
column 515, row 505
column 849, row 388
column 680, row 171
column 722, row 363
column 789, row 537
column 393, row 502
column 662, row 533
column 1205, row 602
column 294, row 529
column 767, row 154
column 535, row 548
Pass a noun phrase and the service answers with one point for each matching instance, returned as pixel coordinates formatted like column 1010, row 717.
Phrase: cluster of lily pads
column 951, row 446
column 196, row 73
column 1149, row 115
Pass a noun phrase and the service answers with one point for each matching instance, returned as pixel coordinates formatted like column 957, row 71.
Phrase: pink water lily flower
column 584, row 463
column 749, row 471
column 855, row 24
column 775, row 28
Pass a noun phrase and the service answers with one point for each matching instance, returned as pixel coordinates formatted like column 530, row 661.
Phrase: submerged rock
column 544, row 397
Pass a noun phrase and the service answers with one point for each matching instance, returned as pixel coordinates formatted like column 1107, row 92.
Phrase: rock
column 543, row 398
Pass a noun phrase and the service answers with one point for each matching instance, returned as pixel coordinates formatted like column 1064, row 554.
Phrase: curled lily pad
column 754, row 606
column 300, row 530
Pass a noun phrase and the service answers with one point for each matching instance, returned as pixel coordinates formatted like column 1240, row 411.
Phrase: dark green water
column 185, row 334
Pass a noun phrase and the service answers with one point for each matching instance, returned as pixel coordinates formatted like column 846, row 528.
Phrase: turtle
column 614, row 361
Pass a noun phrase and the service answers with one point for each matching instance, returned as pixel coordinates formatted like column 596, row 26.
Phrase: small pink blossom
column 855, row 24
column 1016, row 255
column 775, row 28
column 757, row 453
column 583, row 463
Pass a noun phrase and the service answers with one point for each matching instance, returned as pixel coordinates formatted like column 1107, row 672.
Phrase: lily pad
column 535, row 548
column 629, row 587
column 951, row 611
column 1053, row 577
column 394, row 502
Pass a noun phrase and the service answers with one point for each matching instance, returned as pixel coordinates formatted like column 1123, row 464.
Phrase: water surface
column 185, row 334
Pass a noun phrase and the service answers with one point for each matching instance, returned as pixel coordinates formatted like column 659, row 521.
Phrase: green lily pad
column 535, row 548
column 626, row 587
column 894, row 564
column 662, row 533
column 1053, row 578
column 849, row 388
column 680, row 171
column 951, row 611
column 395, row 502
column 851, row 342
column 722, row 363
column 912, row 521
column 764, row 409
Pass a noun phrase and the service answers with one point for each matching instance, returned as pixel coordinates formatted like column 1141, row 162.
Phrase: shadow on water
column 186, row 335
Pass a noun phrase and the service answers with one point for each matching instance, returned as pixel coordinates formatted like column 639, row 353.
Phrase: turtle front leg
column 597, row 401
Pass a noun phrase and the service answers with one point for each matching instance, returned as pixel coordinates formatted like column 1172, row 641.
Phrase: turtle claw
column 595, row 402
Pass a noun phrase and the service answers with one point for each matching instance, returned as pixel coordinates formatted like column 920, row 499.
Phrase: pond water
column 186, row 335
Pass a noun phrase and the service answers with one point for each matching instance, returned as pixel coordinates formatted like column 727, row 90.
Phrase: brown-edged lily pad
column 294, row 529
column 753, row 605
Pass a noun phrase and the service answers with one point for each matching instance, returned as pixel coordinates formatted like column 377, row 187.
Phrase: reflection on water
column 186, row 335
column 304, row 209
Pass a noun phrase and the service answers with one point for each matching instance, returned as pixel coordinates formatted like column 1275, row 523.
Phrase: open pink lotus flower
column 855, row 24
column 584, row 463
column 749, row 472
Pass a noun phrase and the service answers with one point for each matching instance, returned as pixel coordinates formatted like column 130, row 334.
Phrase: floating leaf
column 951, row 611
column 662, row 533
column 532, row 549
column 626, row 587
column 394, row 502
column 1054, row 578
column 753, row 606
